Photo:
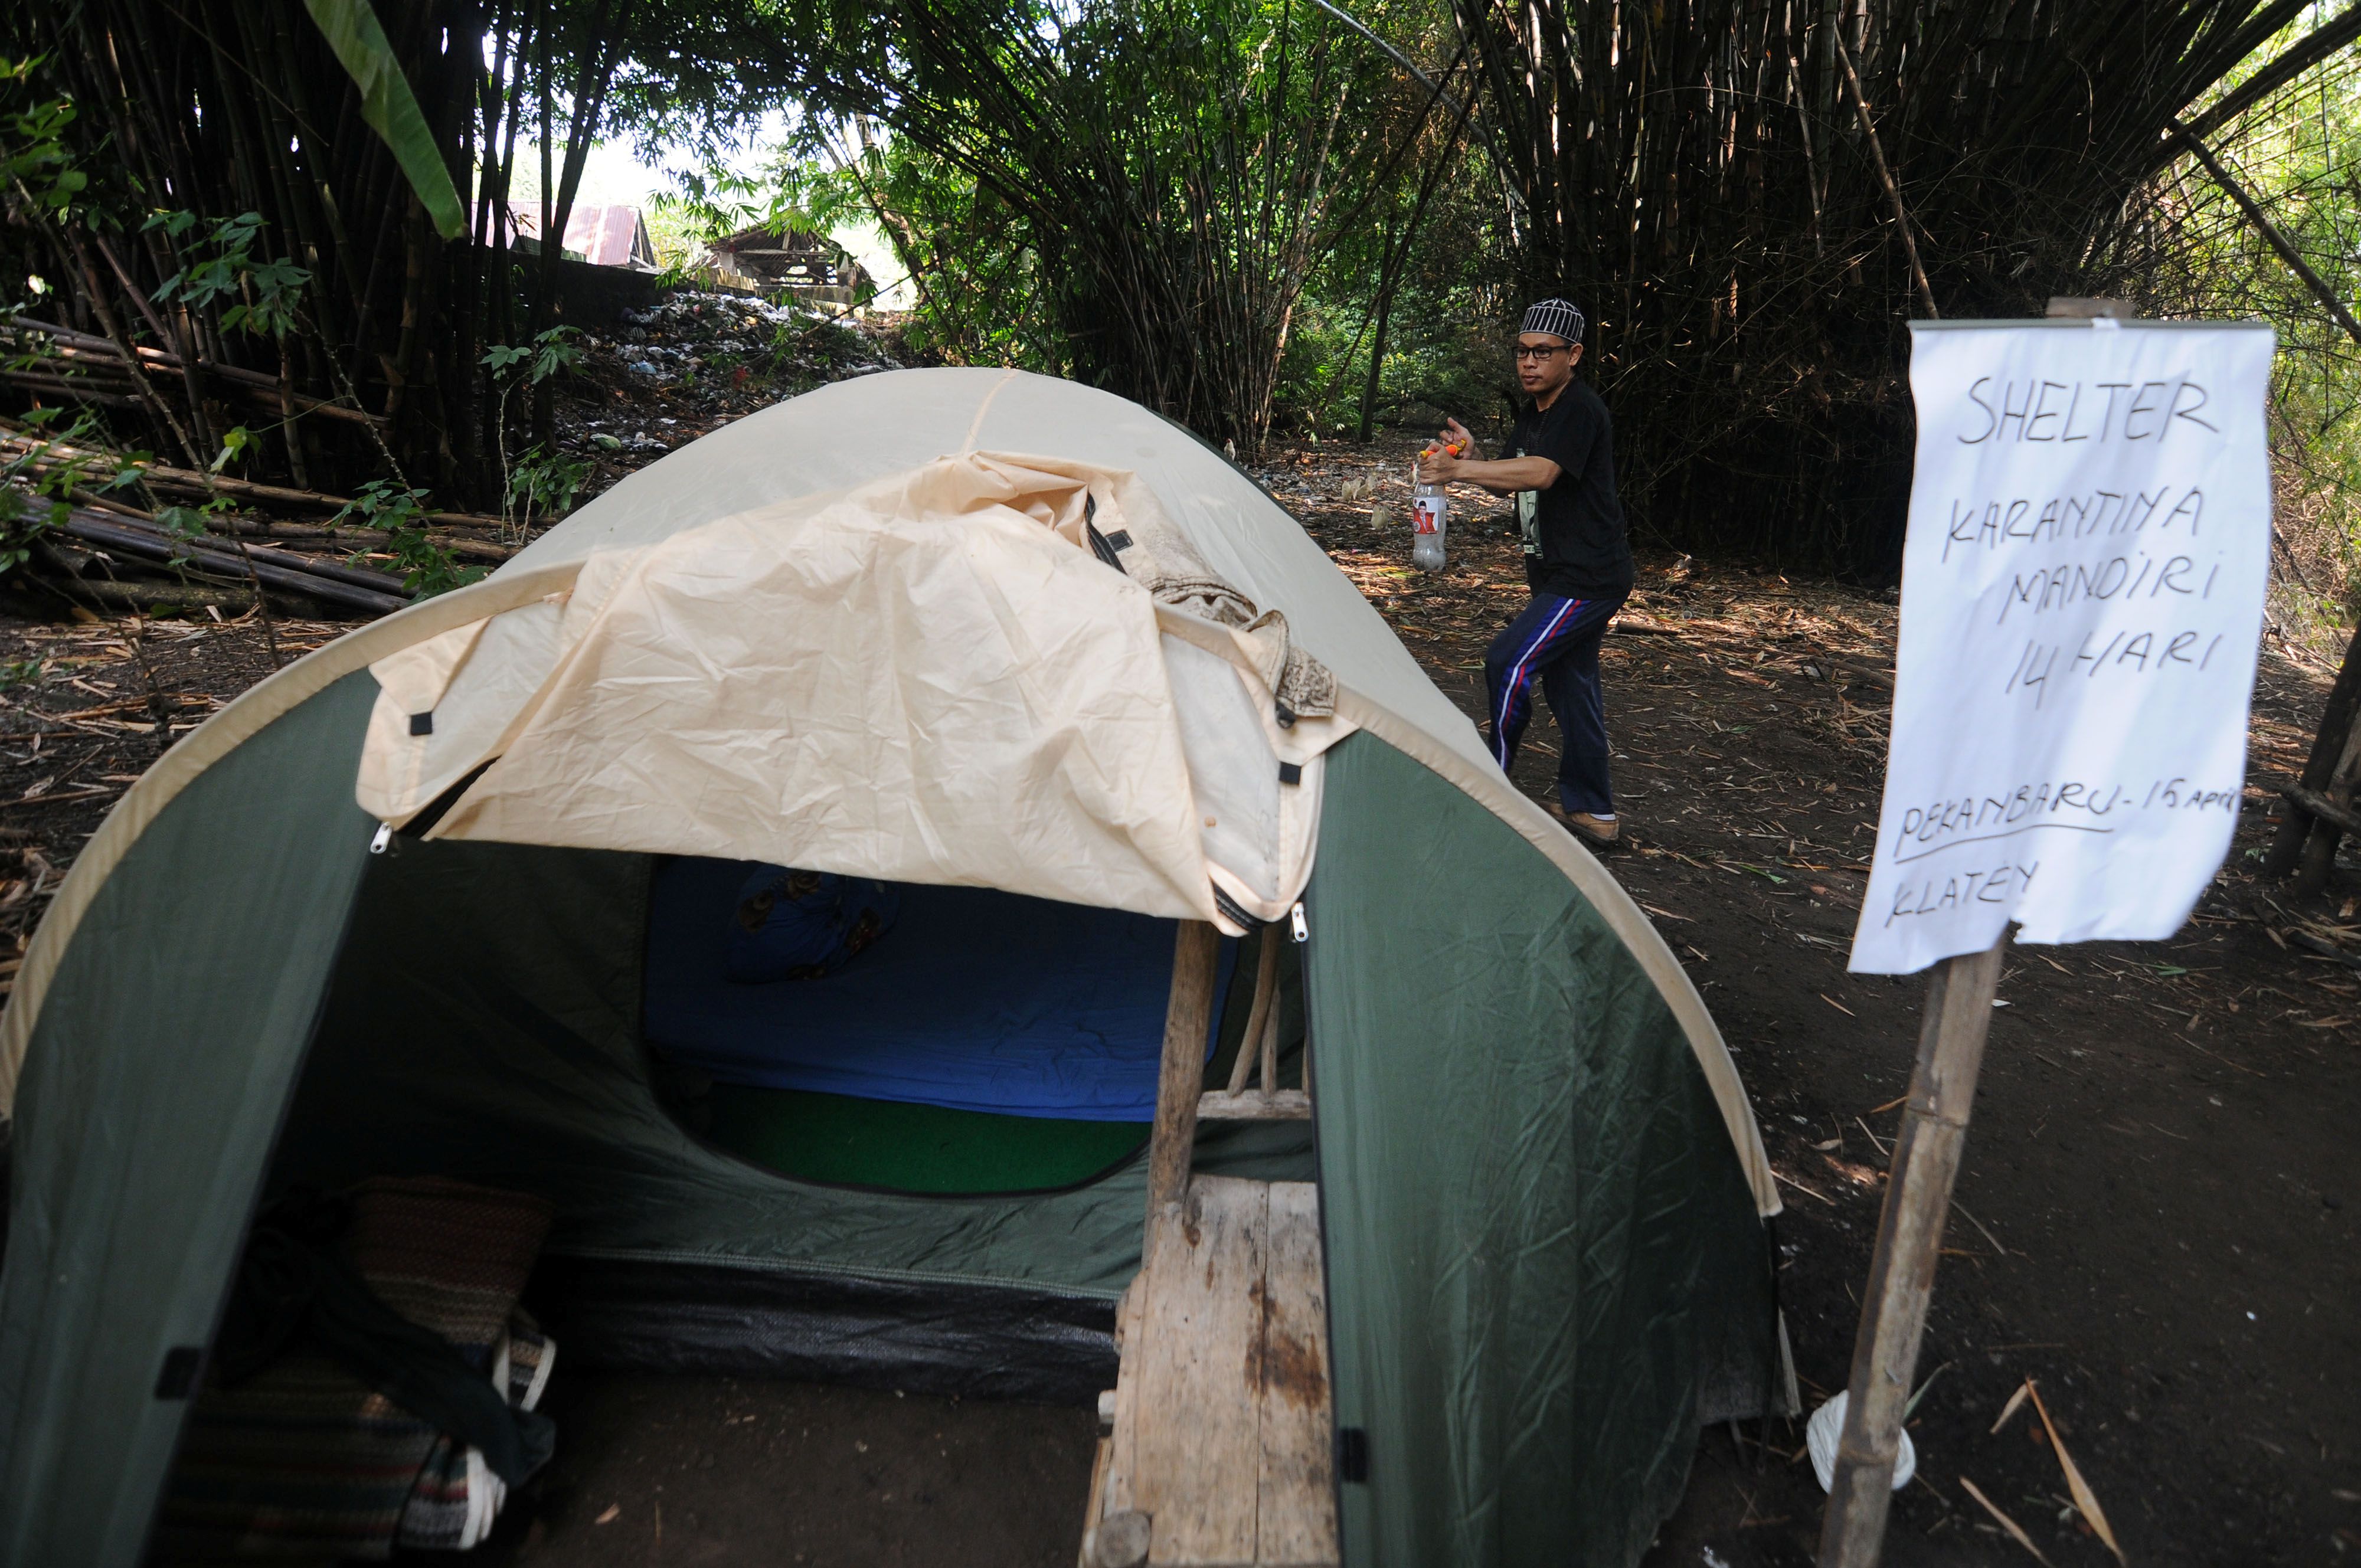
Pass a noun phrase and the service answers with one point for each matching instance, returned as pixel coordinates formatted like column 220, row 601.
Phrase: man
column 1561, row 468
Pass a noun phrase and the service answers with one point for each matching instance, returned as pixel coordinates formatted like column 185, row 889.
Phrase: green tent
column 1542, row 1193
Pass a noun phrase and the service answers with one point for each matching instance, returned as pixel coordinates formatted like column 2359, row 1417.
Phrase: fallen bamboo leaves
column 2014, row 1530
column 2085, row 1500
column 1799, row 1187
column 44, row 798
column 1979, row 1224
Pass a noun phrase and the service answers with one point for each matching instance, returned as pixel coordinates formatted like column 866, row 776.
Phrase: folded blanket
column 304, row 1457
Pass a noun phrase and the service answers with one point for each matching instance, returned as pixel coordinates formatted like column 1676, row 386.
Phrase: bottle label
column 1426, row 514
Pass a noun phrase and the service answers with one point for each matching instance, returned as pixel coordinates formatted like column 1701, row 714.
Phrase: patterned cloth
column 1559, row 318
column 304, row 1459
column 804, row 925
column 456, row 1497
column 1161, row 559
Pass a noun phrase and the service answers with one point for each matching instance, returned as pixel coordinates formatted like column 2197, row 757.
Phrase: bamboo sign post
column 2081, row 607
column 1902, row 1269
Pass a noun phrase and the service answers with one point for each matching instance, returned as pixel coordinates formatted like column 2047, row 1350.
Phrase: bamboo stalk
column 1909, row 1239
column 1886, row 177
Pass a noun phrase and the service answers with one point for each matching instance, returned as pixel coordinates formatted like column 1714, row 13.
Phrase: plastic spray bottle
column 1430, row 515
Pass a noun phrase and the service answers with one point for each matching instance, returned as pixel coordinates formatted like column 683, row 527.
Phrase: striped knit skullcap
column 1556, row 317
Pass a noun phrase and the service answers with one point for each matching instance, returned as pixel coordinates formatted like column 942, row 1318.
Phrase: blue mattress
column 975, row 1000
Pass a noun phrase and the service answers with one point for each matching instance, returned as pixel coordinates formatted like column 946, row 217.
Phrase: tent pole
column 1902, row 1269
column 1195, row 954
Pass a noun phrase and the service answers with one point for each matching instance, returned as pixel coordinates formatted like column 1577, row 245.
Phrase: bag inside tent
column 770, row 930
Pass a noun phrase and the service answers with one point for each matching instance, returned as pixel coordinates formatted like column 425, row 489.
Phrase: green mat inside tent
column 851, row 1142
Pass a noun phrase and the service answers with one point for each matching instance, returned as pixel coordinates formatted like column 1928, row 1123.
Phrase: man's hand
column 1441, row 463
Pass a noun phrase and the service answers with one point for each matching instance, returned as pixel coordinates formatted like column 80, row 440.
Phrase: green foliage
column 2295, row 155
column 543, row 481
column 538, row 476
column 15, row 673
column 549, row 352
column 23, row 521
column 982, row 299
column 237, row 442
column 1135, row 193
column 187, row 524
column 36, row 482
column 427, row 568
column 262, row 297
column 34, row 156
column 788, row 195
column 707, row 205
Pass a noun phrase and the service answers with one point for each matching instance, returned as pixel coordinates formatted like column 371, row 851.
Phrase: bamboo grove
column 234, row 220
column 1709, row 176
column 1751, row 197
column 1173, row 173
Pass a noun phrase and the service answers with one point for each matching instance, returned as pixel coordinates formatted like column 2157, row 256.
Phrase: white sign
column 2081, row 601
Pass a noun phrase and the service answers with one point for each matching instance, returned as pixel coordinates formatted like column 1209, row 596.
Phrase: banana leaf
column 389, row 106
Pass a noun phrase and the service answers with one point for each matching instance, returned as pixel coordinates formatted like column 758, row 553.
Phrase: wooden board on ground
column 1296, row 1516
column 1222, row 1416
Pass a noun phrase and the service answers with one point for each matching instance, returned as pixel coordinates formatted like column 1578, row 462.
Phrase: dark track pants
column 1555, row 643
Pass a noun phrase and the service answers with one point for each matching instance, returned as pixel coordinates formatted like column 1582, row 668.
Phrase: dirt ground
column 2156, row 1213
column 2156, row 1216
column 684, row 1471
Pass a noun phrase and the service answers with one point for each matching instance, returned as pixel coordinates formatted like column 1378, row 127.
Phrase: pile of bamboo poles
column 108, row 551
column 203, row 111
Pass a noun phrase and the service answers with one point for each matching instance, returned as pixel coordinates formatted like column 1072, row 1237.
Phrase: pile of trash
column 694, row 361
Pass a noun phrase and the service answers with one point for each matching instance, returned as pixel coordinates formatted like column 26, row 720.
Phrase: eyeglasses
column 1527, row 351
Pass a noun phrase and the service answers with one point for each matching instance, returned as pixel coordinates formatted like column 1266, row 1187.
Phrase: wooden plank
column 1296, row 1512
column 1287, row 1105
column 1195, row 954
column 1193, row 1460
column 1224, row 1415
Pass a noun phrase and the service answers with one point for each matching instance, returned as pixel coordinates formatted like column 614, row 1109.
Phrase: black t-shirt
column 1574, row 545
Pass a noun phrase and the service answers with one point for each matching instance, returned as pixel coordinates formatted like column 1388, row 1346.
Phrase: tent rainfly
column 445, row 898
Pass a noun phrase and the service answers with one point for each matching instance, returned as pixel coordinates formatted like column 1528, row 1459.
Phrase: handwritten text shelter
column 2082, row 597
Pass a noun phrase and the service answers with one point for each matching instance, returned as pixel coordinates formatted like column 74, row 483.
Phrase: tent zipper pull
column 1295, row 920
column 384, row 835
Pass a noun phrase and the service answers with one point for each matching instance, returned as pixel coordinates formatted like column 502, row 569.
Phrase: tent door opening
column 974, row 1041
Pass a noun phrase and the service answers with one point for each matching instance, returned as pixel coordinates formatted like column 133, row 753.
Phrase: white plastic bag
column 1826, row 1425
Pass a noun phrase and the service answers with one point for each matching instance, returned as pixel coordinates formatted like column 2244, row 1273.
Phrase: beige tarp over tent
column 932, row 677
